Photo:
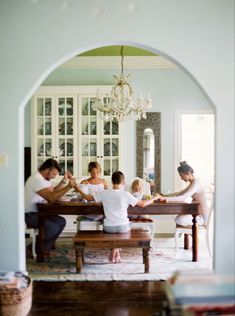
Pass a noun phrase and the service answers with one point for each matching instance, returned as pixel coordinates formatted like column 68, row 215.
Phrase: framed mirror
column 148, row 150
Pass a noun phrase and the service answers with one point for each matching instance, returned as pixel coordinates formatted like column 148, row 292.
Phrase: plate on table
column 69, row 128
column 69, row 149
column 107, row 149
column 114, row 128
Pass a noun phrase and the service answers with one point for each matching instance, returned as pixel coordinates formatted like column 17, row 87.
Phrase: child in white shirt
column 115, row 204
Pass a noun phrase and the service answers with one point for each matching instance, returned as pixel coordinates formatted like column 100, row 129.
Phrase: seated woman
column 94, row 184
column 194, row 190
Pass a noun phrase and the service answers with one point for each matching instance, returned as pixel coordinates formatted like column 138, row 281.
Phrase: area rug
column 163, row 263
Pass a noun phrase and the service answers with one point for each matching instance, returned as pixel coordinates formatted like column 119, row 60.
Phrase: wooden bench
column 136, row 238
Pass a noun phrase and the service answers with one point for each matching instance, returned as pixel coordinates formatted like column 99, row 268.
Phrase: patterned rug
column 163, row 263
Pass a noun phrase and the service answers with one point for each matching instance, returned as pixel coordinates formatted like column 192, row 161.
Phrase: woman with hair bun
column 194, row 190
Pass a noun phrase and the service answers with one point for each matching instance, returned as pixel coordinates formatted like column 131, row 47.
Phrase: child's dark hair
column 50, row 164
column 185, row 168
column 117, row 177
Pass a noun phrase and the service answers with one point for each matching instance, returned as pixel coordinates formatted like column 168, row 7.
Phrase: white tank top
column 95, row 188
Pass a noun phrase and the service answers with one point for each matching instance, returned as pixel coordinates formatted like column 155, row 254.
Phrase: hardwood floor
column 136, row 298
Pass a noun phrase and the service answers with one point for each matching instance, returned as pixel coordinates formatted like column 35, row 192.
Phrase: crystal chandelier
column 121, row 104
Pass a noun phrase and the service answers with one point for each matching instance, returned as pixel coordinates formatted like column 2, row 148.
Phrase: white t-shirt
column 115, row 203
column 35, row 183
column 95, row 188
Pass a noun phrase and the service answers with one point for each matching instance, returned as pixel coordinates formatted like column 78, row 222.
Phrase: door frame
column 178, row 140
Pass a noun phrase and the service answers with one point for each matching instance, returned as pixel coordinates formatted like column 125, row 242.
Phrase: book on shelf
column 6, row 276
column 185, row 294
column 13, row 283
column 205, row 310
column 195, row 292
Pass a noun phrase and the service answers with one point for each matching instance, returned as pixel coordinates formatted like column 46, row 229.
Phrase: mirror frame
column 153, row 121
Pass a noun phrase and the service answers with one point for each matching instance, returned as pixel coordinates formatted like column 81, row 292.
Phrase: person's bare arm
column 51, row 195
column 143, row 203
column 84, row 181
column 67, row 176
column 84, row 195
column 176, row 193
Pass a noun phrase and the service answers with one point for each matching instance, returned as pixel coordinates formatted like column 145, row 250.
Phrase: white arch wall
column 37, row 36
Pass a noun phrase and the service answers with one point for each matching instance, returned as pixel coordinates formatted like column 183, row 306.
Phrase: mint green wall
column 37, row 36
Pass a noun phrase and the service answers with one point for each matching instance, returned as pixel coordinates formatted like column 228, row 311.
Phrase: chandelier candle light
column 121, row 104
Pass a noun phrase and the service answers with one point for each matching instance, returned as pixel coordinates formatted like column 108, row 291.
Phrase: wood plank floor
column 136, row 298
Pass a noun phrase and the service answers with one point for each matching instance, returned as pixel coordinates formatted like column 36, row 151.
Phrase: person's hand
column 156, row 197
column 72, row 183
column 69, row 175
column 160, row 197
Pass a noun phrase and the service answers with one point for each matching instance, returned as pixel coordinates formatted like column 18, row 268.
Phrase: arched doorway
column 110, row 78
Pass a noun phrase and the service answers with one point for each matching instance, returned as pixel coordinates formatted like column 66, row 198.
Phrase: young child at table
column 115, row 203
column 137, row 191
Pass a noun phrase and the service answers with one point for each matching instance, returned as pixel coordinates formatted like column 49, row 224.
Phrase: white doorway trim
column 178, row 140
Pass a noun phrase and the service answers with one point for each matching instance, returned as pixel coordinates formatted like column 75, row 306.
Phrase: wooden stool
column 136, row 238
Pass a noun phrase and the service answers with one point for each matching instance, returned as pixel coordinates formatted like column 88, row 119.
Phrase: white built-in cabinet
column 54, row 133
column 66, row 127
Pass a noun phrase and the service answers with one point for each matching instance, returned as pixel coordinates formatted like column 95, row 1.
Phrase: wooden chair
column 83, row 222
column 187, row 230
column 32, row 232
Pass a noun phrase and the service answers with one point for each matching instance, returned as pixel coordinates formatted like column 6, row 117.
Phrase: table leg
column 186, row 241
column 79, row 258
column 41, row 240
column 146, row 259
column 195, row 239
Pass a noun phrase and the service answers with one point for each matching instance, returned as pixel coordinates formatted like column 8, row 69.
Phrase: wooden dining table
column 91, row 208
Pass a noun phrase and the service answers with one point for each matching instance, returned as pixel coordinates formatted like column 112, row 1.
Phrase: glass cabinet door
column 111, row 155
column 99, row 139
column 65, row 145
column 66, row 127
column 89, row 133
column 44, row 129
column 110, row 147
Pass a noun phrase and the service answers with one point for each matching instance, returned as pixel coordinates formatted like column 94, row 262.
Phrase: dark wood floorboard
column 98, row 298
